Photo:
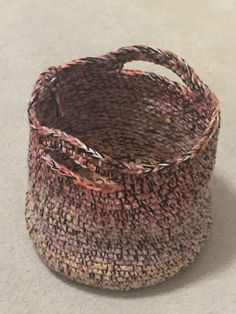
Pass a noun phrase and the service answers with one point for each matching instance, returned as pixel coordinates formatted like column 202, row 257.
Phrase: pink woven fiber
column 120, row 163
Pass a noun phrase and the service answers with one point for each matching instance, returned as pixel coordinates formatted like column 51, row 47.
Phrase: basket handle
column 82, row 176
column 166, row 58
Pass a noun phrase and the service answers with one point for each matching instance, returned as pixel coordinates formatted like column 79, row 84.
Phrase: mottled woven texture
column 120, row 163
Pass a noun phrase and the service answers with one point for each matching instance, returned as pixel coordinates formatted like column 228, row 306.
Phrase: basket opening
column 128, row 118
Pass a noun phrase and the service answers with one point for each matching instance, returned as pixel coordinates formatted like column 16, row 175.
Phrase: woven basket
column 120, row 163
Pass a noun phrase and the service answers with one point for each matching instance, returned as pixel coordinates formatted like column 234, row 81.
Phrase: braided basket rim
column 46, row 80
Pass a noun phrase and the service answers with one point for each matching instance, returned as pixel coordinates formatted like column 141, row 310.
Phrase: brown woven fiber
column 120, row 163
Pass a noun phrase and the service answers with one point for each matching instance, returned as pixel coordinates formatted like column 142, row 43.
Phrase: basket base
column 104, row 273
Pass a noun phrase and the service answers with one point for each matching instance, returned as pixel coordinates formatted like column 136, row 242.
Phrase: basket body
column 120, row 163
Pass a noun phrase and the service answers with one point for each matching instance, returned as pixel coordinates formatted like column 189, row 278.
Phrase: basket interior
column 128, row 117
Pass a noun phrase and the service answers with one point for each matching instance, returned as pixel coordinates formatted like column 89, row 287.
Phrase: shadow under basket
column 120, row 163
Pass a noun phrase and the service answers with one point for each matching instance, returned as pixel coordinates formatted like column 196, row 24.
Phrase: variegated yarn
column 120, row 163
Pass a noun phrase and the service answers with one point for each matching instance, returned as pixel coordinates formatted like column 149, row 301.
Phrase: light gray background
column 37, row 34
